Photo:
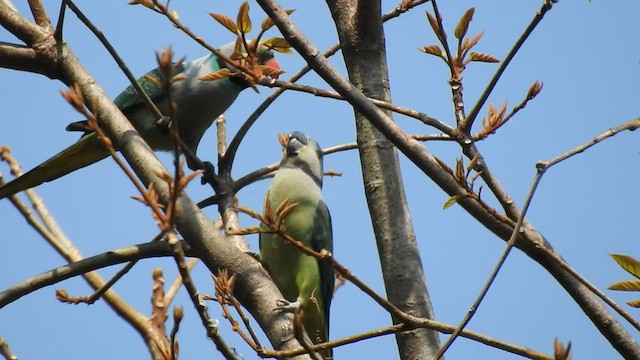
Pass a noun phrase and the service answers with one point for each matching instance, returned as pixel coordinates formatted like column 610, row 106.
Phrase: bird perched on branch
column 305, row 281
column 199, row 101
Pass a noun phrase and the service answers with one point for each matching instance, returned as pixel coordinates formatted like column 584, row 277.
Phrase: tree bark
column 359, row 25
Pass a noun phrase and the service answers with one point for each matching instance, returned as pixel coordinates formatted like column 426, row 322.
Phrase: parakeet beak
column 274, row 64
column 297, row 141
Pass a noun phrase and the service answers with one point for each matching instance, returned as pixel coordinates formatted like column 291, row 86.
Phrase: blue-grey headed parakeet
column 198, row 104
column 303, row 280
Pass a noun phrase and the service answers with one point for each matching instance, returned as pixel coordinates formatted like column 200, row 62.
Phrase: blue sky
column 584, row 206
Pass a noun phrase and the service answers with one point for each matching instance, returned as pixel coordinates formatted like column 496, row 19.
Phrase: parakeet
column 303, row 280
column 198, row 102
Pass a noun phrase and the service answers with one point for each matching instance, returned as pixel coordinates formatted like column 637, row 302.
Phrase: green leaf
column 631, row 265
column 278, row 44
column 452, row 200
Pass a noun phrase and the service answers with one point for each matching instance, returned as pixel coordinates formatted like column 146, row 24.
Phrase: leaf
column 474, row 40
column 501, row 111
column 534, row 90
column 473, row 162
column 452, row 200
column 463, row 24
column 459, row 170
column 217, row 75
column 278, row 44
column 268, row 23
column 244, row 22
column 238, row 50
column 482, row 57
column 634, row 303
column 626, row 285
column 146, row 3
column 225, row 21
column 560, row 352
column 631, row 265
column 174, row 14
column 271, row 71
column 434, row 23
column 432, row 50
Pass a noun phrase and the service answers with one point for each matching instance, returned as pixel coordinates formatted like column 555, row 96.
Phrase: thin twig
column 84, row 266
column 177, row 282
column 424, row 118
column 509, row 246
column 209, row 324
column 630, row 125
column 468, row 121
column 227, row 160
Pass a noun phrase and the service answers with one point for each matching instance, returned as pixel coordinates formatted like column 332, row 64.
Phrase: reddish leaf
column 217, row 75
column 225, row 21
column 432, row 50
column 463, row 24
column 474, row 40
column 434, row 23
column 482, row 57
column 271, row 71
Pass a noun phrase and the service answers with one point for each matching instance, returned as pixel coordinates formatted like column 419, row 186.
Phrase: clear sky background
column 586, row 54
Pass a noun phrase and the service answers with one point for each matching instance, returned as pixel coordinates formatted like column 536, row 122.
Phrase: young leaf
column 268, row 23
column 482, row 57
column 244, row 22
column 534, row 90
column 626, row 285
column 434, row 24
column 474, row 40
column 217, row 75
column 631, row 265
column 431, row 50
column 473, row 163
column 278, row 44
column 270, row 71
column 452, row 200
column 634, row 303
column 225, row 21
column 463, row 24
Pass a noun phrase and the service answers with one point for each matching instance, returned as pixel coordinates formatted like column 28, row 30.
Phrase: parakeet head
column 264, row 54
column 302, row 152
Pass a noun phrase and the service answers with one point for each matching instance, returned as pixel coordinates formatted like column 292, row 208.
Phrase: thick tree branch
column 359, row 25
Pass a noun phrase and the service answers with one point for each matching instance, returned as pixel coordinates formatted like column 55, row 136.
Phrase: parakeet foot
column 287, row 306
column 208, row 173
column 164, row 124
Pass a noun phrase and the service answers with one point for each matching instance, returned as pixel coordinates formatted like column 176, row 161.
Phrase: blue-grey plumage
column 198, row 104
column 303, row 280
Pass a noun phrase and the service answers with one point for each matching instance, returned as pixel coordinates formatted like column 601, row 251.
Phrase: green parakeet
column 303, row 280
column 198, row 102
